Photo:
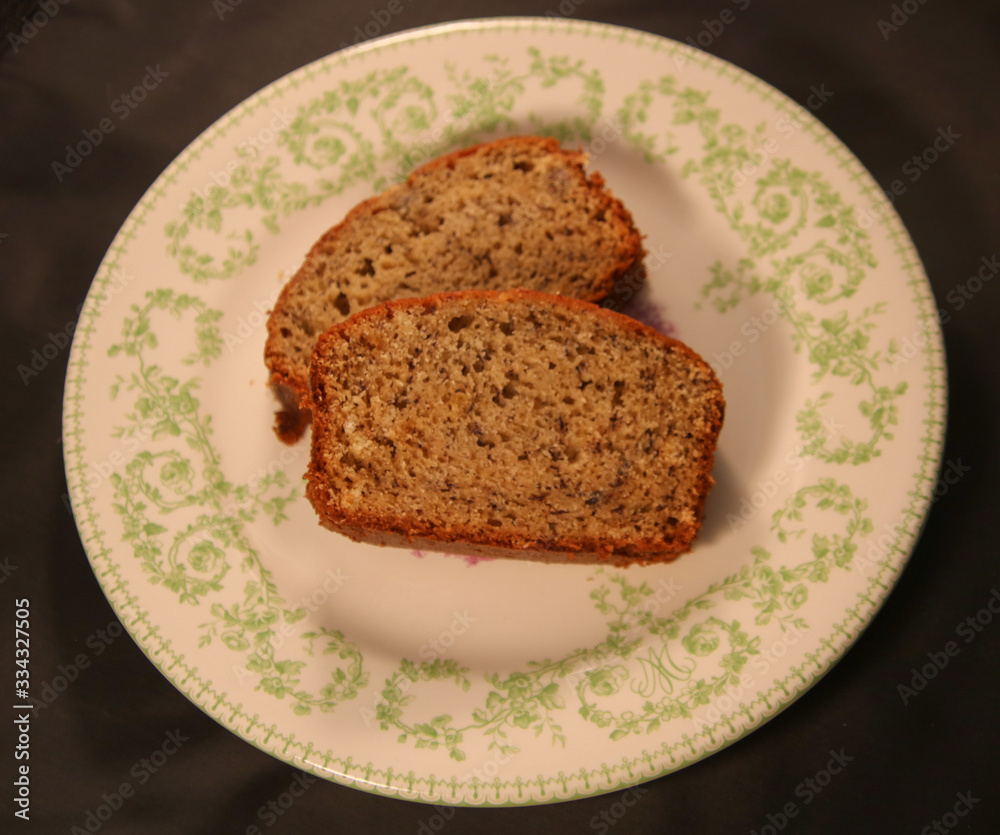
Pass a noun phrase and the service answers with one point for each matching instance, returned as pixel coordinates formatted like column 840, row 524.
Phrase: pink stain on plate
column 469, row 558
column 650, row 314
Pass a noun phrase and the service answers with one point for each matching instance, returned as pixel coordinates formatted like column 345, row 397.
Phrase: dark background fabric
column 909, row 765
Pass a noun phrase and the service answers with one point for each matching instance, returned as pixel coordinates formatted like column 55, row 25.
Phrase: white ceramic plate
column 436, row 678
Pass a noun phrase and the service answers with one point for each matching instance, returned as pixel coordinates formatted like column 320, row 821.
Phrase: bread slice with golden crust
column 518, row 212
column 512, row 423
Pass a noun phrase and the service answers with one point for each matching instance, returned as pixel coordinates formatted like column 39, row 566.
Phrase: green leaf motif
column 770, row 203
column 718, row 650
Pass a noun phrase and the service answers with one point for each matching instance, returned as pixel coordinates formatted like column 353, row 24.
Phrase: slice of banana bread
column 518, row 212
column 523, row 423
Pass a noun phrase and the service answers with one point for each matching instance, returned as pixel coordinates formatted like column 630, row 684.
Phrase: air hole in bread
column 507, row 328
column 343, row 305
column 524, row 165
column 460, row 323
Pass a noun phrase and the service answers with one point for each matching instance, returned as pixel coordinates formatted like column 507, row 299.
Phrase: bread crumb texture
column 518, row 212
column 516, row 419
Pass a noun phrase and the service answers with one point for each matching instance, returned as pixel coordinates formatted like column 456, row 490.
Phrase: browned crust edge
column 291, row 389
column 393, row 541
column 382, row 530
